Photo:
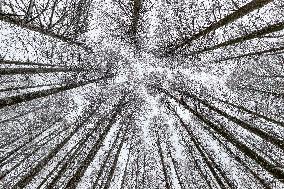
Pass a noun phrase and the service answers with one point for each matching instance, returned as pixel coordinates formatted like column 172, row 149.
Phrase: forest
column 142, row 94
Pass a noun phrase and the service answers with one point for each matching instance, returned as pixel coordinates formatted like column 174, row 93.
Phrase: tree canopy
column 134, row 94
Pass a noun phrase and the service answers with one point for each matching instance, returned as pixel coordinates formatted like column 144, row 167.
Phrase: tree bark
column 24, row 181
column 164, row 169
column 13, row 71
column 255, row 34
column 258, row 53
column 8, row 101
column 269, row 167
column 242, row 11
column 115, row 161
column 103, row 166
column 265, row 136
column 125, row 169
column 176, row 169
column 12, row 62
column 76, row 177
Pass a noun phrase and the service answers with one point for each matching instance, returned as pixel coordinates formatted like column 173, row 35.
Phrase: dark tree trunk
column 258, row 53
column 8, row 101
column 242, row 11
column 255, row 34
column 24, row 181
column 164, row 169
column 76, row 178
column 176, row 169
column 265, row 136
column 10, row 62
column 115, row 161
column 125, row 169
column 269, row 167
column 106, row 160
column 13, row 71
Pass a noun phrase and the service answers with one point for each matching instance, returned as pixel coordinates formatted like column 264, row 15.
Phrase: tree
column 141, row 94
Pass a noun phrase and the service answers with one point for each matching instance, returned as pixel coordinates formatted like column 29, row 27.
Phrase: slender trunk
column 242, row 11
column 259, row 91
column 80, row 145
column 20, row 147
column 12, row 62
column 7, row 171
column 8, row 101
column 24, row 181
column 164, row 169
column 196, row 164
column 219, row 169
column 137, row 172
column 242, row 108
column 108, row 155
column 176, row 168
column 52, row 14
column 59, row 174
column 137, row 5
column 115, row 161
column 23, row 114
column 144, row 171
column 63, row 161
column 14, row 71
column 202, row 153
column 269, row 167
column 10, row 89
column 255, row 34
column 76, row 178
column 125, row 169
column 265, row 136
column 29, row 12
column 19, row 22
column 240, row 161
column 258, row 53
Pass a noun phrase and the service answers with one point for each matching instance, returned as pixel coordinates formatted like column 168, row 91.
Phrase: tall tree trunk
column 258, row 53
column 260, row 91
column 196, row 164
column 255, row 34
column 13, row 71
column 241, row 162
column 106, row 160
column 176, row 168
column 265, row 136
column 20, row 147
column 67, row 157
column 23, row 114
column 220, row 170
column 8, row 101
column 9, row 89
column 144, row 171
column 242, row 108
column 242, row 11
column 115, row 161
column 126, row 167
column 24, row 181
column 19, row 22
column 137, row 5
column 29, row 12
column 137, row 172
column 164, row 169
column 7, row 171
column 20, row 63
column 269, row 167
column 76, row 177
column 52, row 14
column 202, row 153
